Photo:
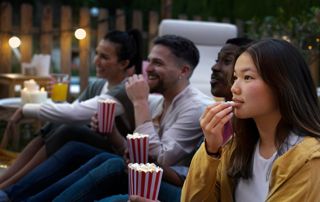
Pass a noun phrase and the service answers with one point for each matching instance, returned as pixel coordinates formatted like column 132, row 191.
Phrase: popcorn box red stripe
column 134, row 149
column 143, row 182
column 106, row 116
column 150, row 178
column 140, row 151
column 157, row 186
column 110, row 117
column 146, row 149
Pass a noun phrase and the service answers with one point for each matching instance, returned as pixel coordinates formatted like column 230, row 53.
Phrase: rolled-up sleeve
column 77, row 112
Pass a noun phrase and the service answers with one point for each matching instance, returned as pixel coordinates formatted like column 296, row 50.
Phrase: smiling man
column 172, row 121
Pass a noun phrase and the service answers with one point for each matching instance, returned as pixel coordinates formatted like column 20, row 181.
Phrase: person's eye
column 247, row 77
column 157, row 63
column 234, row 77
column 227, row 61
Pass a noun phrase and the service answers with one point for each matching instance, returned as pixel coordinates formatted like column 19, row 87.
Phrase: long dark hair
column 285, row 71
column 129, row 47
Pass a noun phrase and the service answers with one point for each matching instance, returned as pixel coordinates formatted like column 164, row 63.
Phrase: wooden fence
column 41, row 39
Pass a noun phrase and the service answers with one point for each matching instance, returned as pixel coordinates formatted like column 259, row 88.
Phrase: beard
column 158, row 88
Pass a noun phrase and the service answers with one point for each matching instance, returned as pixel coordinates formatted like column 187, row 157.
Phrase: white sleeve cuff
column 31, row 110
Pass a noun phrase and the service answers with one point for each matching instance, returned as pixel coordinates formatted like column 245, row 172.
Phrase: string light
column 80, row 33
column 14, row 42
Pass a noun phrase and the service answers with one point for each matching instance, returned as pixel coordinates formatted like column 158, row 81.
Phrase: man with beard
column 173, row 121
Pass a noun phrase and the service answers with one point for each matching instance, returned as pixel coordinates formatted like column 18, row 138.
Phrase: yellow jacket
column 295, row 176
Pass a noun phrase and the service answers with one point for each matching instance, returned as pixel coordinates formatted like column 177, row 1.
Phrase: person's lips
column 214, row 80
column 237, row 102
column 152, row 77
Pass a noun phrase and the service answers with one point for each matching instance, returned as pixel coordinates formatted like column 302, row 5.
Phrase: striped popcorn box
column 138, row 145
column 106, row 113
column 144, row 180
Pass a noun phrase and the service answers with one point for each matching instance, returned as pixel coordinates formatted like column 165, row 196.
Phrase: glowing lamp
column 14, row 42
column 80, row 34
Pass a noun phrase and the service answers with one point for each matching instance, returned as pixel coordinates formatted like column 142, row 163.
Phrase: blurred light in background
column 14, row 42
column 80, row 34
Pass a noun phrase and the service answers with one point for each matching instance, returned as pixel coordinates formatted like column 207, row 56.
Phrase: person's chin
column 240, row 114
column 215, row 92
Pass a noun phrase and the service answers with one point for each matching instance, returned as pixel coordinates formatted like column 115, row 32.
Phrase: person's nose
column 149, row 67
column 235, row 88
column 215, row 68
column 96, row 60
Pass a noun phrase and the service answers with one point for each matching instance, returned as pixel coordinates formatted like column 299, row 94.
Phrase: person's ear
column 185, row 71
column 124, row 64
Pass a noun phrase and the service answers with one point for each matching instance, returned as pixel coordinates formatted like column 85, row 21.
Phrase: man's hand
column 138, row 91
column 137, row 88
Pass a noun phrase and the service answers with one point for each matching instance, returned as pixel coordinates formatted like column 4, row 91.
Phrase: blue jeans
column 167, row 193
column 52, row 191
column 66, row 160
column 106, row 179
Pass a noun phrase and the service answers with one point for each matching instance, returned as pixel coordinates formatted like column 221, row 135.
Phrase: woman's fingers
column 214, row 114
column 212, row 123
column 94, row 122
column 219, row 117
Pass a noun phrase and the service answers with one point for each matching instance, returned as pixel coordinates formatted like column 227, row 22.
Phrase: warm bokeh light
column 80, row 33
column 285, row 37
column 14, row 42
column 310, row 47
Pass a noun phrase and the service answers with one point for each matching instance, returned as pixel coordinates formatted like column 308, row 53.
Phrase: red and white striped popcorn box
column 144, row 180
column 106, row 114
column 138, row 145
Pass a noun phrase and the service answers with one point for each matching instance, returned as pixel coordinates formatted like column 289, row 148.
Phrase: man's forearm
column 141, row 112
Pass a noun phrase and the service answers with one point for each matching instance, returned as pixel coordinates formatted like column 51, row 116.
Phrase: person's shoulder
column 98, row 81
column 198, row 97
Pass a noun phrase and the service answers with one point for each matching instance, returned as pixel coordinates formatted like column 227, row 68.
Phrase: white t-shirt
column 256, row 188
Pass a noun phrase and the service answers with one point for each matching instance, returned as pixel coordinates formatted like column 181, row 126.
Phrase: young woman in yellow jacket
column 274, row 154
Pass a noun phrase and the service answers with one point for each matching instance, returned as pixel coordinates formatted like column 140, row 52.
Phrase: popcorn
column 106, row 114
column 138, row 145
column 144, row 180
column 230, row 102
